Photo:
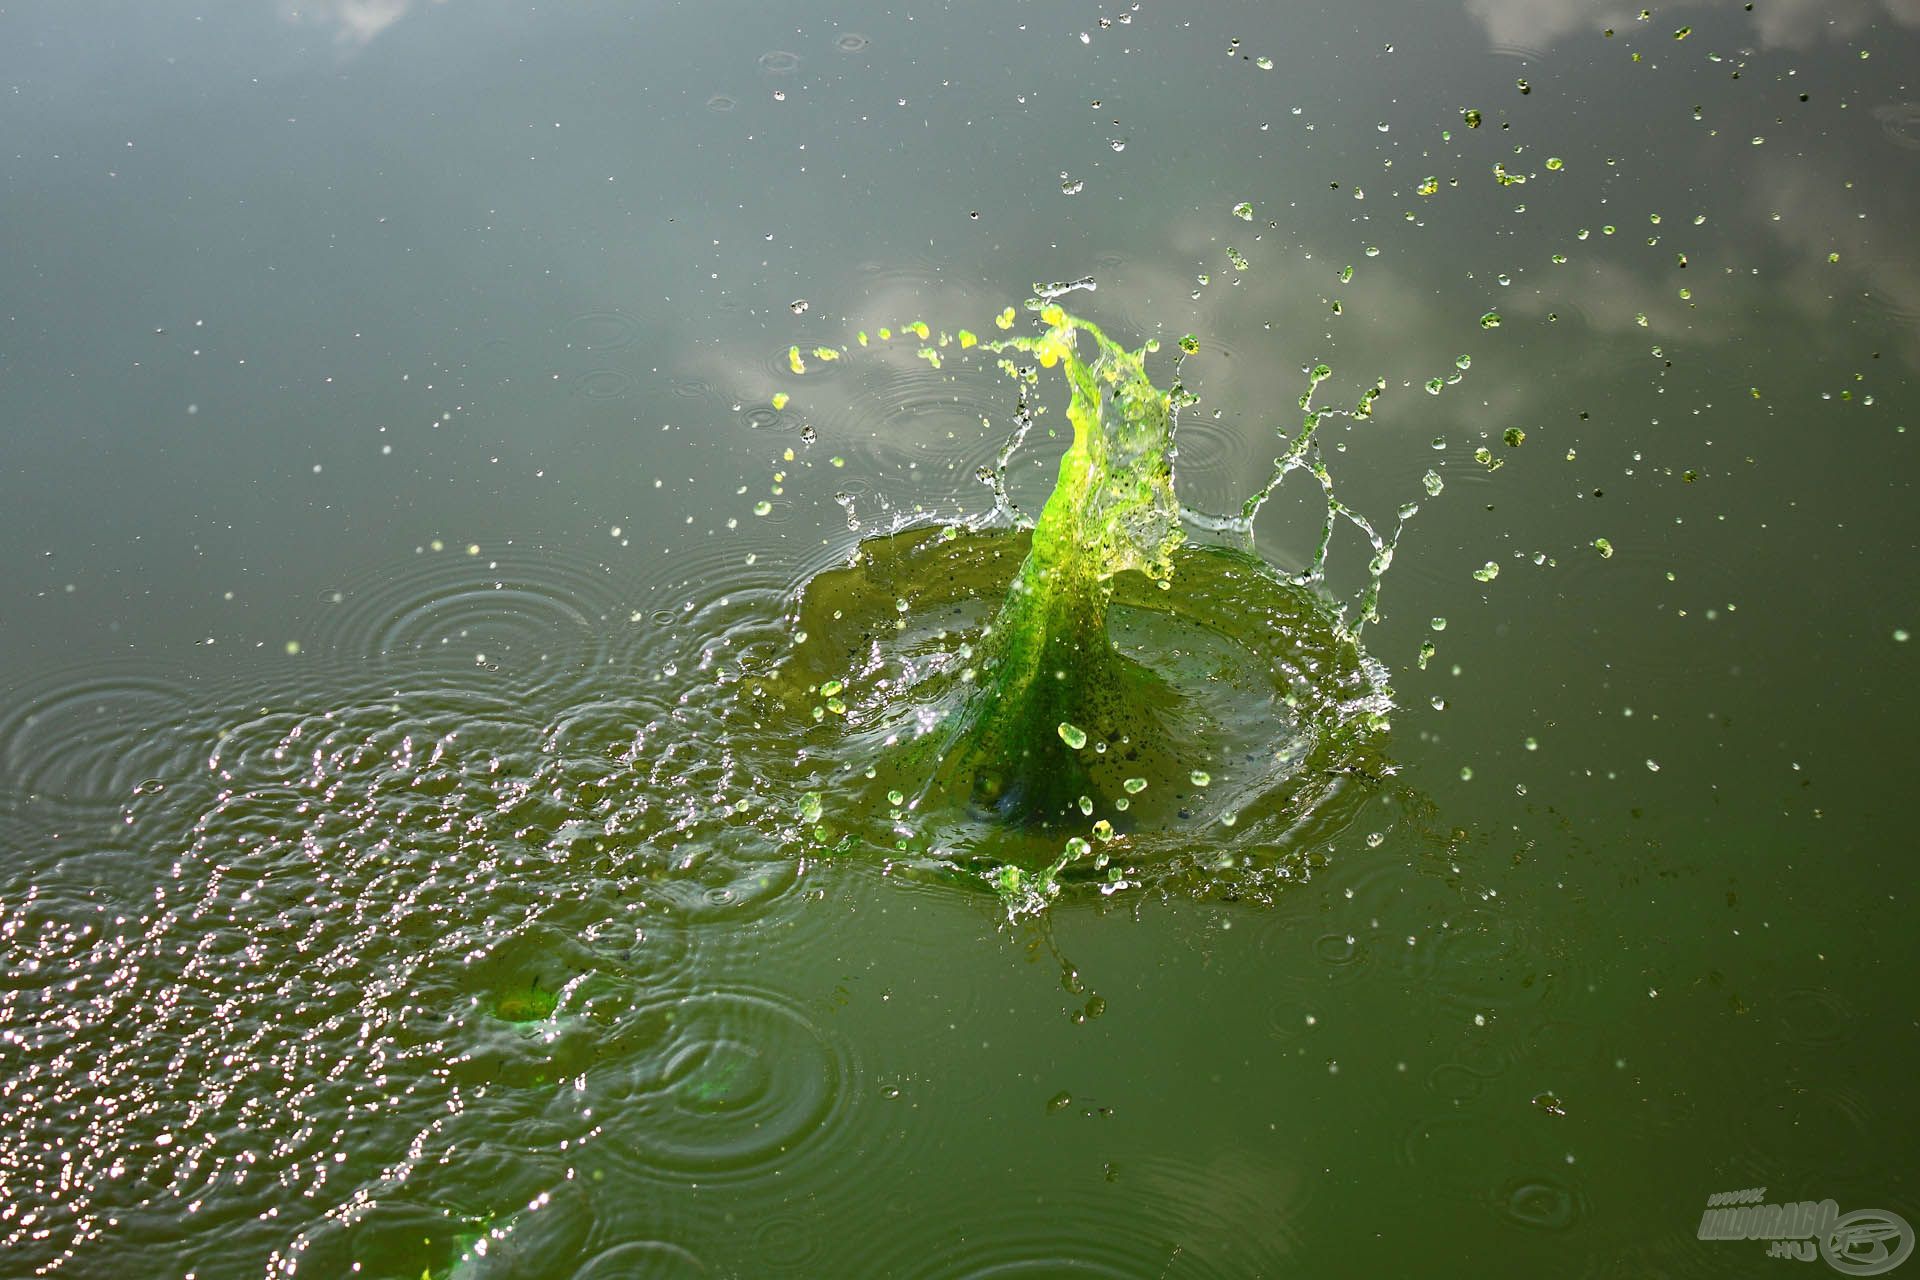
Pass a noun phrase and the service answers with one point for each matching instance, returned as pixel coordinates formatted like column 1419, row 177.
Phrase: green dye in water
column 1050, row 722
column 531, row 1003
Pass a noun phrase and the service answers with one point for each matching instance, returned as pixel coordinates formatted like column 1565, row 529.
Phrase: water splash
column 1027, row 745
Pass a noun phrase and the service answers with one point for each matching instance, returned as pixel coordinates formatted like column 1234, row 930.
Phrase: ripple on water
column 1490, row 959
column 79, row 744
column 780, row 62
column 1234, row 1215
column 1289, row 767
column 643, row 1260
column 515, row 603
column 744, row 1082
column 372, row 919
column 511, row 1218
column 1900, row 122
column 1540, row 1204
column 1218, row 457
column 604, row 384
column 603, row 331
column 1815, row 1016
column 850, row 42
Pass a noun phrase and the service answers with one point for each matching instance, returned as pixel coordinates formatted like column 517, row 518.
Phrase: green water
column 1024, row 743
column 424, row 828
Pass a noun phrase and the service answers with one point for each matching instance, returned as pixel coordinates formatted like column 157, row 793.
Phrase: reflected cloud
column 1799, row 23
column 353, row 22
column 1536, row 24
column 1876, row 282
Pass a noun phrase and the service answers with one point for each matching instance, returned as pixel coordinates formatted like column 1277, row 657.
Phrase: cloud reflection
column 353, row 22
column 1536, row 24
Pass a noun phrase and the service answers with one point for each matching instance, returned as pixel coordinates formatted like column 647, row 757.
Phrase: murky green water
column 406, row 755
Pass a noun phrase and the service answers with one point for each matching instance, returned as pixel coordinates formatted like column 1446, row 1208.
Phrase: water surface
column 395, row 501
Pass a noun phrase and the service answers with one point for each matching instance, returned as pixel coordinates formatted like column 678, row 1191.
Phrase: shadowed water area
column 586, row 692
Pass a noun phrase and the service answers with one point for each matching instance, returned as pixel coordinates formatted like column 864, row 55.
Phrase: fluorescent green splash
column 1067, row 699
column 1050, row 678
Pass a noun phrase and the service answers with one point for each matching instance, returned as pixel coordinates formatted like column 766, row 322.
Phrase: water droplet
column 1074, row 736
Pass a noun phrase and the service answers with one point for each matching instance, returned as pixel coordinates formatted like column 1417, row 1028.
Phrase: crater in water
column 1274, row 732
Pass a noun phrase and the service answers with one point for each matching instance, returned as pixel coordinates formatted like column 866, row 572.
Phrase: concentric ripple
column 480, row 603
column 743, row 1079
column 84, row 742
column 1231, row 1216
column 386, row 912
column 880, row 656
